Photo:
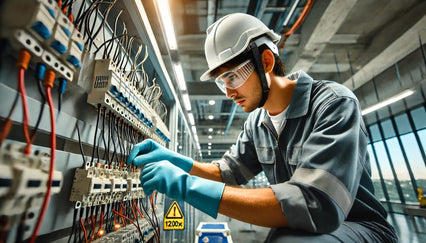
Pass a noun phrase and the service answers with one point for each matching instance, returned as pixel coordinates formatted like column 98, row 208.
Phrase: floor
column 242, row 232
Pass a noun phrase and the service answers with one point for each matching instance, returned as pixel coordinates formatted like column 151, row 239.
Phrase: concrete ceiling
column 349, row 41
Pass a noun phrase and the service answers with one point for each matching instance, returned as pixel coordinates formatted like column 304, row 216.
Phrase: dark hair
column 279, row 66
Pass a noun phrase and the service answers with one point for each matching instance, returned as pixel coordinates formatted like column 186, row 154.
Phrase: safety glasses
column 235, row 78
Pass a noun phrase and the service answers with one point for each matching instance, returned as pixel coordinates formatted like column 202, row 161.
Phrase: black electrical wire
column 120, row 141
column 73, row 224
column 80, row 144
column 12, row 109
column 148, row 217
column 21, row 229
column 108, row 161
column 154, row 215
column 43, row 102
column 103, row 135
column 112, row 119
column 96, row 133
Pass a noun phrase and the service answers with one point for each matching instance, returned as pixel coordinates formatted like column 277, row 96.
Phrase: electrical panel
column 59, row 194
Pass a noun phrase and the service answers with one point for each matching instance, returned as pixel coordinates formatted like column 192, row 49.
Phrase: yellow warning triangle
column 174, row 212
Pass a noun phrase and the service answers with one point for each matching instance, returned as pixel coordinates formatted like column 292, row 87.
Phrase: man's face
column 247, row 95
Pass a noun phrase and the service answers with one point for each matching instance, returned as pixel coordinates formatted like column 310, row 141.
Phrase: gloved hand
column 175, row 183
column 149, row 151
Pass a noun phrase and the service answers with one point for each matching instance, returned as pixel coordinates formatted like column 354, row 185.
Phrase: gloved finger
column 147, row 190
column 146, row 158
column 154, row 184
column 141, row 148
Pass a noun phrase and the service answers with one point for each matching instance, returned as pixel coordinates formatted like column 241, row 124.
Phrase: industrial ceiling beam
column 326, row 28
column 401, row 47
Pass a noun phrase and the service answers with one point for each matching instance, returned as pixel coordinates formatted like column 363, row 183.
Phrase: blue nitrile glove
column 149, row 151
column 166, row 178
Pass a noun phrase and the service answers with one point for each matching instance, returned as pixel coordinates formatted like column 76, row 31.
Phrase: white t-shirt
column 277, row 120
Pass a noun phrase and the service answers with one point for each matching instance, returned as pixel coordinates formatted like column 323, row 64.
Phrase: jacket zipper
column 279, row 149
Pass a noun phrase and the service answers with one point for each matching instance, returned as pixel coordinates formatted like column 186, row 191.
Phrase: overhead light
column 186, row 102
column 209, row 152
column 196, row 138
column 191, row 119
column 388, row 101
column 210, row 137
column 209, row 147
column 211, row 117
column 179, row 76
column 166, row 18
column 209, row 144
column 212, row 102
column 194, row 130
column 210, row 129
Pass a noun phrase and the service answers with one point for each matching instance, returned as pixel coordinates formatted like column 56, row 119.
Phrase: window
column 386, row 171
column 419, row 117
column 375, row 176
column 401, row 170
column 403, row 124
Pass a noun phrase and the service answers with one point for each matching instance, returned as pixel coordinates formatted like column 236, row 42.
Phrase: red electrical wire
column 298, row 22
column 101, row 232
column 93, row 227
column 137, row 208
column 52, row 159
column 131, row 221
column 21, row 87
column 24, row 58
column 84, row 229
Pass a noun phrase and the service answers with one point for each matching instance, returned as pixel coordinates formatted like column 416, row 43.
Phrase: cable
column 61, row 89
column 48, row 83
column 22, row 64
column 40, row 71
column 8, row 123
column 73, row 223
column 131, row 221
column 84, row 229
column 297, row 24
column 96, row 133
column 80, row 144
column 103, row 135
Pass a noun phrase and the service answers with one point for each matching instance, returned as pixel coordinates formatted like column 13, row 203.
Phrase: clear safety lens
column 235, row 78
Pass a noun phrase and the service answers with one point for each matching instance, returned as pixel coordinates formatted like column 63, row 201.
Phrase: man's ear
column 268, row 60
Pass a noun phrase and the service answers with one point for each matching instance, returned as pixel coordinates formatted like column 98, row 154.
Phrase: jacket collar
column 299, row 103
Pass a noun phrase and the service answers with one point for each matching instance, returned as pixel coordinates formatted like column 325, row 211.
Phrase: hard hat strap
column 261, row 72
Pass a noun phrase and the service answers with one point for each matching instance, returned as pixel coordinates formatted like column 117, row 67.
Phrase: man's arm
column 255, row 206
column 206, row 170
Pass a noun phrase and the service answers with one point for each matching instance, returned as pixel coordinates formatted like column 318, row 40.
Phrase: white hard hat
column 230, row 36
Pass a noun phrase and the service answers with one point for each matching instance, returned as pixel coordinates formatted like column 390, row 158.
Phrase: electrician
column 307, row 136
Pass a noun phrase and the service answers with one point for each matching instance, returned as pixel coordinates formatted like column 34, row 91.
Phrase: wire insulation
column 51, row 167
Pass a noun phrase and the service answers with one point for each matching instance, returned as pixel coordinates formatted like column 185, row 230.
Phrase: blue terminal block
column 66, row 31
column 42, row 30
column 113, row 89
column 59, row 47
column 74, row 61
column 120, row 96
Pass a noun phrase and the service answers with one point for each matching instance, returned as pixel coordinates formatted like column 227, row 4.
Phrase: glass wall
column 397, row 153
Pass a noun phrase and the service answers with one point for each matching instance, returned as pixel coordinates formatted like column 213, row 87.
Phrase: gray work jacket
column 318, row 164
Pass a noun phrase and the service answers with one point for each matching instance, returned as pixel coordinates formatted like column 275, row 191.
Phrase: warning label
column 174, row 219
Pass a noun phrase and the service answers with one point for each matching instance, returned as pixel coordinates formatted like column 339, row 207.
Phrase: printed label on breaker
column 174, row 219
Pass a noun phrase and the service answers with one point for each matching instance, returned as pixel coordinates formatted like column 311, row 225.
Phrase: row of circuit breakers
column 41, row 28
